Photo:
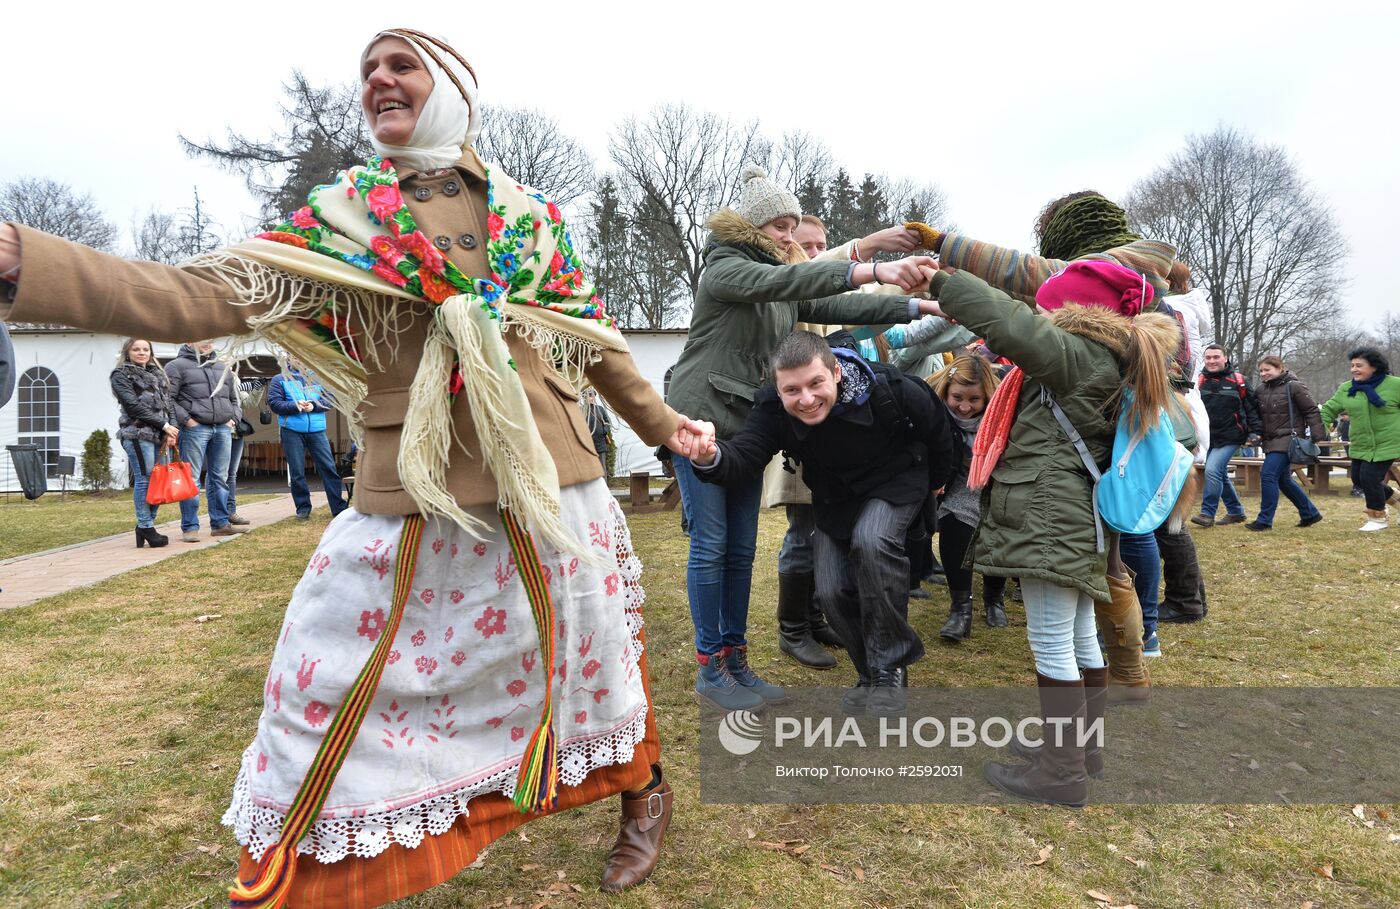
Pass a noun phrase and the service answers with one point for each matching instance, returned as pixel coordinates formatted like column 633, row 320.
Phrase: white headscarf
column 448, row 122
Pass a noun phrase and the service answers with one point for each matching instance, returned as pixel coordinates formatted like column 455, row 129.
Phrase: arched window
column 38, row 412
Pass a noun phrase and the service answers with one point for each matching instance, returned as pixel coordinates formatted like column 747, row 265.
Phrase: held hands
column 694, row 439
column 906, row 273
column 172, row 435
column 898, row 239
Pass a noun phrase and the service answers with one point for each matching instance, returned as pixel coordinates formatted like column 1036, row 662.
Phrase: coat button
column 451, row 188
column 442, row 242
column 423, row 193
column 468, row 241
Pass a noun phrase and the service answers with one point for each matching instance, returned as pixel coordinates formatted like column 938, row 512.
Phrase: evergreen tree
column 842, row 219
column 871, row 214
column 812, row 198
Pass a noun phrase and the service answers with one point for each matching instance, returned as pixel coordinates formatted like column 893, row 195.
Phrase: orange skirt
column 397, row 872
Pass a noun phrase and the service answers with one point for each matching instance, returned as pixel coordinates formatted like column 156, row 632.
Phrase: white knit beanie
column 763, row 200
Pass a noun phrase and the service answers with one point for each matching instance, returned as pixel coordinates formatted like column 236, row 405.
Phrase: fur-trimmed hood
column 1111, row 330
column 729, row 228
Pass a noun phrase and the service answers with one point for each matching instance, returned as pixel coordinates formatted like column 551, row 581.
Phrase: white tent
column 655, row 351
column 63, row 393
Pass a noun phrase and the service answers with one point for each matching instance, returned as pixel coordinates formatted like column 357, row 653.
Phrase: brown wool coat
column 73, row 285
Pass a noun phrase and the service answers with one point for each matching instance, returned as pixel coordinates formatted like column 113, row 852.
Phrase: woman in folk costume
column 464, row 651
column 1038, row 520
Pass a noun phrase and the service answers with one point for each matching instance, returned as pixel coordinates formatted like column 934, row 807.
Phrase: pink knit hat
column 1097, row 282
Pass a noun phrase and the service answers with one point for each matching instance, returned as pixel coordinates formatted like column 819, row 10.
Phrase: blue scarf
column 1368, row 388
column 856, row 379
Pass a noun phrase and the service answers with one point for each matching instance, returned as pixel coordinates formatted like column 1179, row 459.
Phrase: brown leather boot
column 646, row 813
column 1095, row 700
column 1056, row 776
column 1120, row 624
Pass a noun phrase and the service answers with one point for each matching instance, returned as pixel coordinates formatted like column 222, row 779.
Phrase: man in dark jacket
column 1234, row 421
column 872, row 444
column 205, row 393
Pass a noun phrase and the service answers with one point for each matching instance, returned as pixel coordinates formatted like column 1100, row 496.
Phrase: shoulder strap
column 884, row 404
column 1239, row 384
column 1078, row 441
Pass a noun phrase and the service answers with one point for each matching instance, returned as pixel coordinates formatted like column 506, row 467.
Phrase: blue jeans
column 723, row 534
column 1061, row 629
column 235, row 457
column 295, row 445
column 1140, row 553
column 206, row 448
column 140, row 478
column 1218, row 483
column 1277, row 476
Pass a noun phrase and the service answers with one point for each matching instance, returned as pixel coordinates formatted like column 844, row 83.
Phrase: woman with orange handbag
column 146, row 426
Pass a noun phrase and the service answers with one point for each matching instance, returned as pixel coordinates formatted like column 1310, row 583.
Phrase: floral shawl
column 327, row 271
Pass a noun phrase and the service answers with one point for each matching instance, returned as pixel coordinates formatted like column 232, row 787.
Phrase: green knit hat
column 1084, row 226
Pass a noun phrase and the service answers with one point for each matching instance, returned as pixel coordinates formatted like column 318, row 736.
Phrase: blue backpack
column 1138, row 491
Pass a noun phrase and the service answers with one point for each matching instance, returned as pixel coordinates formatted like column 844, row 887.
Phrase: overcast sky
column 1021, row 103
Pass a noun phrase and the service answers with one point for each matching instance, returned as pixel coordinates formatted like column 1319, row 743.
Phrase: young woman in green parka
column 1089, row 341
column 750, row 297
column 1371, row 400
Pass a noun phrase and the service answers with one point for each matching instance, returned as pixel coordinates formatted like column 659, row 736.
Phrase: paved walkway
column 27, row 578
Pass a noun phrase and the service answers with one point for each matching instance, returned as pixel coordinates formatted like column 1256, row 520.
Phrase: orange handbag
column 171, row 481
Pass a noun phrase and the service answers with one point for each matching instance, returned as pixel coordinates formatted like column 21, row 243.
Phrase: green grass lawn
column 49, row 521
column 124, row 720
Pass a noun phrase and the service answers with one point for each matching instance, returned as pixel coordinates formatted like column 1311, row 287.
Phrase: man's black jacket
column 865, row 451
column 1232, row 406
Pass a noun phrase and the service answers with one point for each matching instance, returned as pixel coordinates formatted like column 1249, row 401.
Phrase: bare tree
column 323, row 132
column 56, row 208
column 800, row 157
column 156, row 237
column 676, row 167
column 162, row 236
column 1319, row 357
column 1258, row 239
column 530, row 146
column 913, row 201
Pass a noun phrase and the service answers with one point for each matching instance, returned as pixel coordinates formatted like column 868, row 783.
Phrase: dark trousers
column 1370, row 476
column 1183, row 585
column 954, row 540
column 863, row 587
column 295, row 445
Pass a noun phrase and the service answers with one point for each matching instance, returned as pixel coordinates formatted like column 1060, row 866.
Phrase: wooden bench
column 1317, row 478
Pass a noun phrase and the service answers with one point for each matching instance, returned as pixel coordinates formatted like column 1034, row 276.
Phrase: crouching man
column 872, row 444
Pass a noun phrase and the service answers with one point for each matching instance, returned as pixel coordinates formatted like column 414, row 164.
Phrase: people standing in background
column 1286, row 409
column 1234, row 421
column 248, row 394
column 205, row 393
column 147, row 426
column 599, row 427
column 298, row 401
column 1371, row 400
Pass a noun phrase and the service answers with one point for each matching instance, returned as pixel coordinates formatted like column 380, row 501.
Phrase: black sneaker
column 1255, row 525
column 1308, row 522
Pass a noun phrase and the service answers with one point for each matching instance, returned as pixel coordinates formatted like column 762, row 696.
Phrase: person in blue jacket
column 298, row 401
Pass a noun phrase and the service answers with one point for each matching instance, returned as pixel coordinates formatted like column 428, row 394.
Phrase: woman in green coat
column 1371, row 400
column 749, row 298
column 1038, row 518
